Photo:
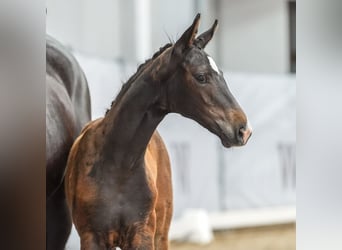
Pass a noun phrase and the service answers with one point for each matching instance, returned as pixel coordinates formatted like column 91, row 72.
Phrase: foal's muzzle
column 237, row 136
column 243, row 134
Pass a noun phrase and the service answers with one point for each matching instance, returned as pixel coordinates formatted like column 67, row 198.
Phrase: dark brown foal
column 118, row 179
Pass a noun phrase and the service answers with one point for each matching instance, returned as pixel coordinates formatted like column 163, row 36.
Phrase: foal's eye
column 201, row 78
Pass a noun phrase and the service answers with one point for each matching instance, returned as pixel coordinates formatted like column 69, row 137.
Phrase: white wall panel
column 255, row 37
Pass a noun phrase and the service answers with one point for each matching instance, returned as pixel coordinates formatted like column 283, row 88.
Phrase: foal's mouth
column 226, row 132
column 227, row 135
column 231, row 140
column 226, row 143
column 221, row 130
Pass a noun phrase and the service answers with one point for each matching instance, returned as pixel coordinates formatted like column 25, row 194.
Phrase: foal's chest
column 123, row 200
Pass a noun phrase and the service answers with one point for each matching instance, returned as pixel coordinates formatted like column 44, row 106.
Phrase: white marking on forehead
column 213, row 64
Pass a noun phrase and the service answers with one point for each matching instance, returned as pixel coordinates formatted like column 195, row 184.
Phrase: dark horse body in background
column 67, row 111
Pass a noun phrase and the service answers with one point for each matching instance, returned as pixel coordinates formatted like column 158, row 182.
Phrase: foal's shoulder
column 87, row 138
column 156, row 143
column 91, row 125
column 89, row 131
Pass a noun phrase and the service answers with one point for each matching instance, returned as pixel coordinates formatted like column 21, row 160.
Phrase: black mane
column 141, row 67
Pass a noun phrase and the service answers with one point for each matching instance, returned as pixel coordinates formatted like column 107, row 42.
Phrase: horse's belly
column 60, row 132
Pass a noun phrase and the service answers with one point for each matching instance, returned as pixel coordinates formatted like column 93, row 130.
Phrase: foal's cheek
column 207, row 98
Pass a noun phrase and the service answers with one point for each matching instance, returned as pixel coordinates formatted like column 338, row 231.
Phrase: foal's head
column 196, row 88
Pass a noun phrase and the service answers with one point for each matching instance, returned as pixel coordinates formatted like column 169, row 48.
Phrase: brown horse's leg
column 141, row 241
column 144, row 235
column 161, row 243
column 164, row 213
column 58, row 222
column 89, row 242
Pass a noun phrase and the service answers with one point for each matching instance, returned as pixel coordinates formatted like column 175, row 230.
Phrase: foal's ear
column 188, row 37
column 203, row 39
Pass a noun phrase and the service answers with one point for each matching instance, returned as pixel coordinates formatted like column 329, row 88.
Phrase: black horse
column 67, row 111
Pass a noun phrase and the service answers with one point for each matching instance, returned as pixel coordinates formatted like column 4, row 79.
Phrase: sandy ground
column 282, row 237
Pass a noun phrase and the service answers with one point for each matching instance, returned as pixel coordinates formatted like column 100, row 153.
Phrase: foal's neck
column 130, row 123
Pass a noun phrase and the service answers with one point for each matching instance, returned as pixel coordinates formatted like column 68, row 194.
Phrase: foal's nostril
column 241, row 133
column 244, row 134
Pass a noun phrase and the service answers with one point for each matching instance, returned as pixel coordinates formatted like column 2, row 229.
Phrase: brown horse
column 67, row 111
column 118, row 178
